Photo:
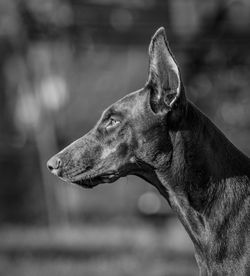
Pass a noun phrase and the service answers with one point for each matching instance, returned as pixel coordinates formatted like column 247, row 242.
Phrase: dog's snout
column 54, row 165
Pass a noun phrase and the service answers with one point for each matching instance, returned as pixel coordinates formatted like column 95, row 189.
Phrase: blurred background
column 61, row 63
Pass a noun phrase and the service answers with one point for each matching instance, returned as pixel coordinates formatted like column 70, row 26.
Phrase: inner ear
column 164, row 77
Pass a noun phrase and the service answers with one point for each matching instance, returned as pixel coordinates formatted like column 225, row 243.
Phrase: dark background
column 61, row 64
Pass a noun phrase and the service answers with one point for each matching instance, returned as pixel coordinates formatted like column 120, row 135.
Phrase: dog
column 156, row 133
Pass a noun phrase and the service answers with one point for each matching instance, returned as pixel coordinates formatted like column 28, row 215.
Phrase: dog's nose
column 54, row 165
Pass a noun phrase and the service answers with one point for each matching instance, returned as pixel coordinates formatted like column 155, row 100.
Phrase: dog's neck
column 207, row 184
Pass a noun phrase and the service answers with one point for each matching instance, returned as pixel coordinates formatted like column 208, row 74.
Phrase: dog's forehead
column 130, row 103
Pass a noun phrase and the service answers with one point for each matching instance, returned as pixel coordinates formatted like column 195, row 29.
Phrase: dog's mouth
column 92, row 181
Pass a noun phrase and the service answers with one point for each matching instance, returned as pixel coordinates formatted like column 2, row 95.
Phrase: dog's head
column 132, row 135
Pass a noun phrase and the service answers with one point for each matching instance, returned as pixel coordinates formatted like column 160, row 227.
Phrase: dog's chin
column 90, row 183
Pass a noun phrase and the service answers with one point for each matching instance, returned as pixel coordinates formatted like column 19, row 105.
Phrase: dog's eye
column 112, row 123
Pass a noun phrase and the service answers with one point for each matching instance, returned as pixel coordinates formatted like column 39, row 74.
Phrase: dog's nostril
column 54, row 163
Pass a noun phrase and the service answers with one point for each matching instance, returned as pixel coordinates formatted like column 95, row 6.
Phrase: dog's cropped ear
column 164, row 77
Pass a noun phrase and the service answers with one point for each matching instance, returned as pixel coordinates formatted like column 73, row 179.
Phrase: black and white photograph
column 124, row 138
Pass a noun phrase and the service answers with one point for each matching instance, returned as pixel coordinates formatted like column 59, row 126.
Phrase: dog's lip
column 92, row 181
